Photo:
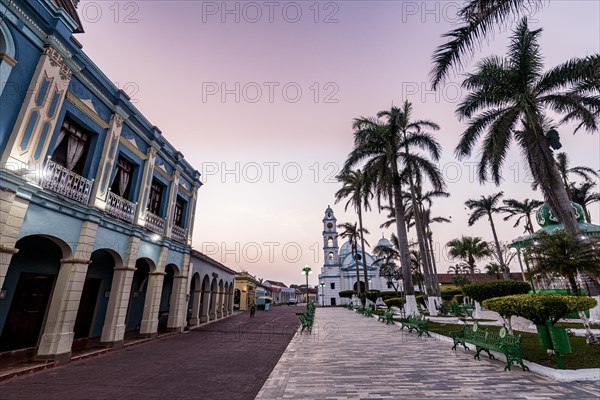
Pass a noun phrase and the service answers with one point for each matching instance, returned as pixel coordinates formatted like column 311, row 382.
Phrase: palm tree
column 458, row 269
column 481, row 19
column 584, row 196
column 469, row 249
column 382, row 147
column 352, row 232
column 567, row 255
column 522, row 210
column 487, row 206
column 494, row 268
column 415, row 268
column 587, row 173
column 508, row 100
column 356, row 186
column 388, row 257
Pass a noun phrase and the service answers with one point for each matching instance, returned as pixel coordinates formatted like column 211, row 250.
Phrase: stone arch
column 95, row 294
column 214, row 290
column 205, row 299
column 8, row 51
column 226, row 299
column 30, row 281
column 168, row 297
column 139, row 288
column 231, row 294
column 221, row 299
column 195, row 300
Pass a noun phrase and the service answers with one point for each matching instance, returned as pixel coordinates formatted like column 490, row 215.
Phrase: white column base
column 411, row 305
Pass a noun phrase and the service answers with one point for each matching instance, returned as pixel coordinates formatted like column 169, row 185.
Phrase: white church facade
column 339, row 266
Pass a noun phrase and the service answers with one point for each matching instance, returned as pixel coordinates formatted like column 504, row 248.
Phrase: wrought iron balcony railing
column 120, row 208
column 178, row 233
column 66, row 182
column 155, row 223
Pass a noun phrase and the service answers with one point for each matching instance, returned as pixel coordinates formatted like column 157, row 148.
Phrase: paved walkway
column 228, row 359
column 353, row 357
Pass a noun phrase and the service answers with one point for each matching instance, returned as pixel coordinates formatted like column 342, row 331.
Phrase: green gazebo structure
column 550, row 224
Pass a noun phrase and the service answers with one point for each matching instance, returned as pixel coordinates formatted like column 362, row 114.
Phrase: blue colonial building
column 96, row 207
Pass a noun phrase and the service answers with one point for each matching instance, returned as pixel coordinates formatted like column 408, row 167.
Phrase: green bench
column 416, row 322
column 485, row 340
column 387, row 317
column 349, row 306
column 307, row 318
column 462, row 309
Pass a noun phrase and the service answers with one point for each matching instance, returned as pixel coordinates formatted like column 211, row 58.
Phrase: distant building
column 245, row 290
column 339, row 268
column 280, row 292
column 211, row 289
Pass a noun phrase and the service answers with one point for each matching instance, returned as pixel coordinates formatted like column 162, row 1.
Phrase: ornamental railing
column 65, row 182
column 120, row 208
column 155, row 223
column 178, row 233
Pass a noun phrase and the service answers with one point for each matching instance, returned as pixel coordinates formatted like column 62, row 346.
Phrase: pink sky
column 269, row 147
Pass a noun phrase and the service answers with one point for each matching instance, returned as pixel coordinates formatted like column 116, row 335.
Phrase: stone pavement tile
column 228, row 359
column 353, row 357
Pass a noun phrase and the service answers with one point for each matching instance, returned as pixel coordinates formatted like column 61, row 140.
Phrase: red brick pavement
column 229, row 359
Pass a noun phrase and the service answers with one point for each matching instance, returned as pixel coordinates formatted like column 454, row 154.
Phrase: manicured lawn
column 583, row 356
column 574, row 325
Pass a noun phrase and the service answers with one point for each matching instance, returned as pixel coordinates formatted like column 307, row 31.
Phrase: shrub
column 421, row 299
column 388, row 294
column 373, row 295
column 459, row 298
column 539, row 308
column 347, row 294
column 395, row 302
column 489, row 290
column 448, row 294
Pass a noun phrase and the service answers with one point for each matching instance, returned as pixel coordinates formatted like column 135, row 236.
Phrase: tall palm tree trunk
column 356, row 265
column 362, row 241
column 409, row 290
column 505, row 274
column 434, row 265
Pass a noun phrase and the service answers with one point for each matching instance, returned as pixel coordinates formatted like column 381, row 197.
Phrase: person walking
column 252, row 309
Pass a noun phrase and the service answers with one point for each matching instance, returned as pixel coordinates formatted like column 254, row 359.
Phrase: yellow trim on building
column 86, row 110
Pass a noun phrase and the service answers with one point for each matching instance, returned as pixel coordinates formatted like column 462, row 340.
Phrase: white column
column 149, row 324
column 146, row 182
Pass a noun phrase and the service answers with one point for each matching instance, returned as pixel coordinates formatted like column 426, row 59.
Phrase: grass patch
column 583, row 356
column 576, row 325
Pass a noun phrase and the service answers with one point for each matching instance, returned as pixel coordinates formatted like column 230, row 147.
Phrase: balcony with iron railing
column 65, row 182
column 120, row 208
column 155, row 223
column 178, row 233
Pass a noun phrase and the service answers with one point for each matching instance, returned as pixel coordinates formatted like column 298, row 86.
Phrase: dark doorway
column 362, row 287
column 27, row 311
column 333, row 301
column 87, row 308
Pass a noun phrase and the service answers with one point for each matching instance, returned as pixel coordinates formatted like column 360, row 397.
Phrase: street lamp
column 306, row 271
column 323, row 293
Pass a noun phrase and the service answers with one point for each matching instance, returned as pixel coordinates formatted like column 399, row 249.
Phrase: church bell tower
column 330, row 239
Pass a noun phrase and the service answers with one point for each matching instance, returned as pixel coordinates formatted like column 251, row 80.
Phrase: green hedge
column 539, row 308
column 347, row 294
column 395, row 302
column 388, row 294
column 489, row 290
column 421, row 299
column 448, row 294
column 373, row 295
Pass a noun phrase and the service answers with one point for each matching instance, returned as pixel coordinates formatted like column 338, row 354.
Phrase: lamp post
column 306, row 271
column 323, row 293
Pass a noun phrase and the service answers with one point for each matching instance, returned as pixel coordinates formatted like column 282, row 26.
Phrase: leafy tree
column 583, row 195
column 494, row 268
column 357, row 188
column 469, row 249
column 522, row 210
column 508, row 101
column 351, row 232
column 481, row 19
column 486, row 206
column 565, row 254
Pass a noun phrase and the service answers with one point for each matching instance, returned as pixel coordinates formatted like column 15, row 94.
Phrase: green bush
column 489, row 290
column 539, row 308
column 373, row 295
column 458, row 298
column 395, row 302
column 388, row 294
column 346, row 294
column 421, row 299
column 448, row 294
